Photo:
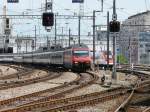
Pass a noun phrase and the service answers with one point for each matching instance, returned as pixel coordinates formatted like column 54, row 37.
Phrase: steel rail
column 70, row 90
column 26, row 82
column 147, row 110
column 35, row 94
column 59, row 94
column 67, row 100
column 137, row 86
column 85, row 103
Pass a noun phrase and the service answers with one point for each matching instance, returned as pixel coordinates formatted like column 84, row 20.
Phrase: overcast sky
column 125, row 8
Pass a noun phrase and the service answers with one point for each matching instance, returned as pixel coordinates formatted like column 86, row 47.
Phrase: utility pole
column 79, row 27
column 26, row 45
column 47, row 44
column 130, row 50
column 6, row 40
column 108, row 40
column 55, row 30
column 114, row 18
column 94, row 38
column 62, row 31
column 94, row 11
column 69, row 35
column 35, row 37
column 17, row 45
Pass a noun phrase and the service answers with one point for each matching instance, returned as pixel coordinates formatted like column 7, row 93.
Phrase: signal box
column 7, row 22
column 114, row 26
column 48, row 19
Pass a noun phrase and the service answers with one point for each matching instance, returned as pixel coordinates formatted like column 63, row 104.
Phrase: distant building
column 101, row 37
column 144, row 48
column 23, row 45
column 129, row 35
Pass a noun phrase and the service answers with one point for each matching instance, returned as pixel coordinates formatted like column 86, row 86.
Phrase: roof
column 139, row 14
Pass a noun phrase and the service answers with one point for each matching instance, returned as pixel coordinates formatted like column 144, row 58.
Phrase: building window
column 141, row 46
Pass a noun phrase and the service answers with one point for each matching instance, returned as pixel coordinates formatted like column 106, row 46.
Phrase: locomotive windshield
column 81, row 53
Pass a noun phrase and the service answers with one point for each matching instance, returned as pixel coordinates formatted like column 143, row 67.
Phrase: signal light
column 7, row 22
column 114, row 26
column 7, row 41
column 48, row 19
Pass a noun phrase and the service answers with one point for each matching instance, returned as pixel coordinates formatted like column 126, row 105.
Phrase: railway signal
column 7, row 22
column 114, row 26
column 48, row 19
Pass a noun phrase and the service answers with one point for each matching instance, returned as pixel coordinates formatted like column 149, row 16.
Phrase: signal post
column 114, row 27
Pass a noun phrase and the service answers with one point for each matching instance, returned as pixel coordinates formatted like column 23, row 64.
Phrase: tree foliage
column 121, row 59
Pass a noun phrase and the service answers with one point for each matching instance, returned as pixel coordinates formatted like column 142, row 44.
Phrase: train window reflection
column 81, row 53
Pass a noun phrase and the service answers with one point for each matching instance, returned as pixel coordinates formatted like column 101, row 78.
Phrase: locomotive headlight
column 76, row 62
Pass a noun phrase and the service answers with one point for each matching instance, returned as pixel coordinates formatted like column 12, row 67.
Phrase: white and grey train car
column 7, row 57
column 55, row 58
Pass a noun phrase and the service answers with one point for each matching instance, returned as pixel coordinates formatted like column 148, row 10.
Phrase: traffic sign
column 12, row 1
column 77, row 1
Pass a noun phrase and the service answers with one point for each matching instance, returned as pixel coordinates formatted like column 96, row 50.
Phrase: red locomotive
column 77, row 57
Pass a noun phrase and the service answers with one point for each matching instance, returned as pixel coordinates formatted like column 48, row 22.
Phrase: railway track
column 26, row 72
column 28, row 81
column 46, row 102
column 64, row 104
column 53, row 93
column 146, row 110
column 140, row 85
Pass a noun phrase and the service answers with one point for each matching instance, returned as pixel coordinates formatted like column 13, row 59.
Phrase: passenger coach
column 75, row 57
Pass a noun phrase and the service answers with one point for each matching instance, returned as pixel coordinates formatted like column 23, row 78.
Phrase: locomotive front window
column 81, row 53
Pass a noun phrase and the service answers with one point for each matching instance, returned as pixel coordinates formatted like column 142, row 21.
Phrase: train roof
column 77, row 46
column 50, row 49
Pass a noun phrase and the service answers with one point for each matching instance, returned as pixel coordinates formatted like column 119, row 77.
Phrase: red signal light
column 48, row 19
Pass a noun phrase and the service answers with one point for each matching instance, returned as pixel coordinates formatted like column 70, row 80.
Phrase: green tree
column 121, row 59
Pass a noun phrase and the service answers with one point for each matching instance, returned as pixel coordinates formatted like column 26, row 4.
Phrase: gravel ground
column 126, row 80
column 6, row 70
column 66, row 77
column 87, row 90
column 122, row 79
column 94, row 87
column 147, row 72
column 35, row 74
column 19, row 91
